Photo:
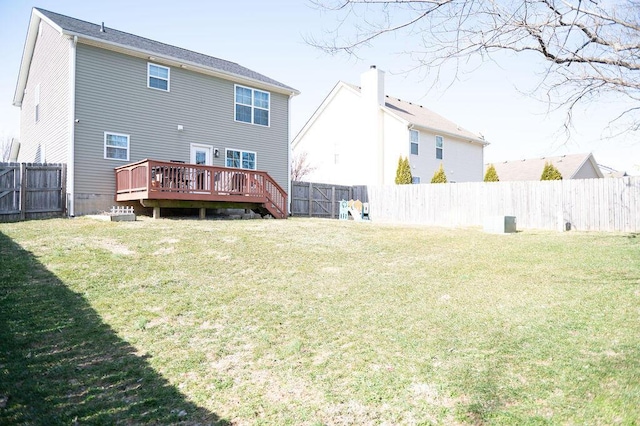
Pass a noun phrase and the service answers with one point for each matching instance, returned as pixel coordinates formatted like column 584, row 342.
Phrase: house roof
column 422, row 117
column 425, row 118
column 531, row 168
column 119, row 40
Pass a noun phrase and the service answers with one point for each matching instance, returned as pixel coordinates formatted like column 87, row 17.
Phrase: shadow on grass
column 60, row 364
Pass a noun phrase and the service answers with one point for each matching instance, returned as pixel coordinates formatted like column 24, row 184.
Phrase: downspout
column 381, row 141
column 71, row 175
column 289, row 141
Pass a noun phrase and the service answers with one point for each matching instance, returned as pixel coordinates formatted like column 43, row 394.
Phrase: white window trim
column 441, row 148
column 168, row 77
column 241, row 151
column 202, row 146
column 253, row 107
column 411, row 142
column 128, row 146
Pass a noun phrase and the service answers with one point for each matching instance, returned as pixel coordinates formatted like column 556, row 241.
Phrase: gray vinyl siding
column 585, row 172
column 50, row 69
column 112, row 95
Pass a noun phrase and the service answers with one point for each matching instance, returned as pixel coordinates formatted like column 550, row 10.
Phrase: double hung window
column 158, row 77
column 439, row 147
column 116, row 146
column 252, row 105
column 414, row 137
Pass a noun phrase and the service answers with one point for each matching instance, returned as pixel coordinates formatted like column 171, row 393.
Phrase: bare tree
column 591, row 48
column 5, row 148
column 300, row 166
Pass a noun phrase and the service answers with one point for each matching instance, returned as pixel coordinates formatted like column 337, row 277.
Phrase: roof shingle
column 424, row 117
column 111, row 35
column 531, row 169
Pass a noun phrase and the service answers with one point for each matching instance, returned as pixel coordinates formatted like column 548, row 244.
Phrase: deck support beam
column 203, row 212
column 156, row 212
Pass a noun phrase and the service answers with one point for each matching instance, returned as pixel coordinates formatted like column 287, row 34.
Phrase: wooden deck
column 168, row 184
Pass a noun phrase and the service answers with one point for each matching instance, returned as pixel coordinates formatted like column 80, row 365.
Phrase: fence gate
column 9, row 188
column 322, row 200
column 30, row 191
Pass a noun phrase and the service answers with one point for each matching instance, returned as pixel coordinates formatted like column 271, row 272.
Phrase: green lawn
column 314, row 322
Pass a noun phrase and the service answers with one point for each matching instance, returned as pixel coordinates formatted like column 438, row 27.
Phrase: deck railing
column 161, row 180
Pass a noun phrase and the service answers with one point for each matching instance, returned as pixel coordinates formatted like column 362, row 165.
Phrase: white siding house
column 358, row 134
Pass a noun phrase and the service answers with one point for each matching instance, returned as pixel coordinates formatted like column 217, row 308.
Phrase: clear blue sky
column 268, row 37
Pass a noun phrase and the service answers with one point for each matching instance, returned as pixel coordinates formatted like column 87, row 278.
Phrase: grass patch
column 316, row 322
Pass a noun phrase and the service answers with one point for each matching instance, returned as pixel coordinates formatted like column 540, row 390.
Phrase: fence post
column 310, row 199
column 23, row 190
column 333, row 202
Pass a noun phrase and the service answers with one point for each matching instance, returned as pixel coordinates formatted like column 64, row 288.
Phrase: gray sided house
column 97, row 98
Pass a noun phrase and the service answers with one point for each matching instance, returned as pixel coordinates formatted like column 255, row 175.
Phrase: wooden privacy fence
column 611, row 204
column 31, row 191
column 321, row 199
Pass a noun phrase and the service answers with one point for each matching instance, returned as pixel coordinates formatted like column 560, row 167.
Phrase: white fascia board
column 396, row 116
column 327, row 100
column 595, row 165
column 592, row 160
column 117, row 47
column 27, row 53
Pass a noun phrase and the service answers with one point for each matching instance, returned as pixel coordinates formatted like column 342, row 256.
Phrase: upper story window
column 241, row 159
column 439, row 147
column 158, row 77
column 414, row 137
column 252, row 105
column 36, row 102
column 415, row 180
column 116, row 146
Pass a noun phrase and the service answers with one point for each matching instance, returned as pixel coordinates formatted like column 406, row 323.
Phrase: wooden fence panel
column 29, row 191
column 9, row 188
column 611, row 204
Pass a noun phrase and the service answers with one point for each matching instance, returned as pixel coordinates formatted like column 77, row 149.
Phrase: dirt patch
column 114, row 247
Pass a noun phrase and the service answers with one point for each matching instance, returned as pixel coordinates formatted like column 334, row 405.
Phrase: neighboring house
column 358, row 134
column 97, row 98
column 574, row 166
column 609, row 172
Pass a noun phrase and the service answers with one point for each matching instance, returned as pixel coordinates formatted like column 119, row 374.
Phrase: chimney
column 102, row 28
column 372, row 86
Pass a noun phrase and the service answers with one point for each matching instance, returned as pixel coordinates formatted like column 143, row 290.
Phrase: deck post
column 156, row 212
column 203, row 212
